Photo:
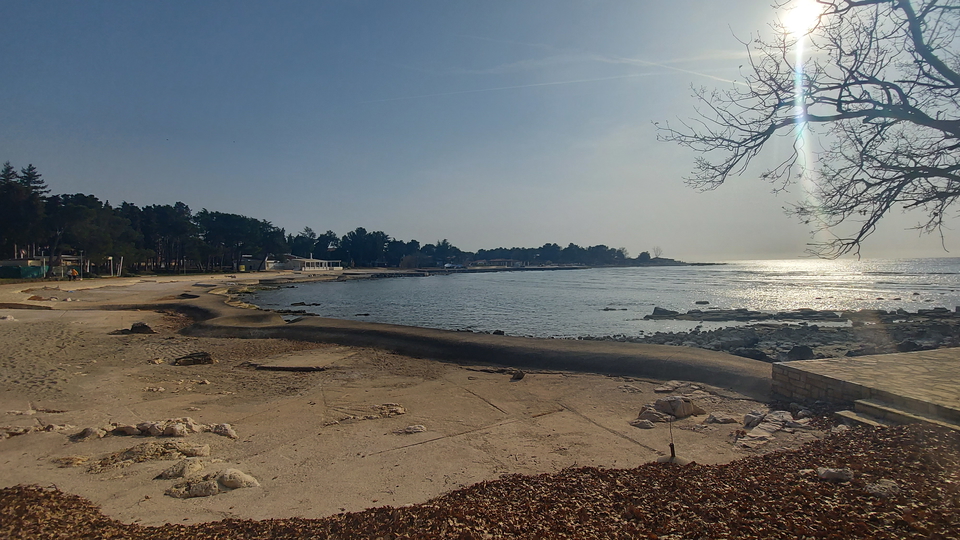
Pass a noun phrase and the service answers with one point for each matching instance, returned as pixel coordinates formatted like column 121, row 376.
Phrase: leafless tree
column 657, row 252
column 877, row 91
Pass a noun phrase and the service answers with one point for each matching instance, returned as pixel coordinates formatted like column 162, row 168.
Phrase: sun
column 802, row 16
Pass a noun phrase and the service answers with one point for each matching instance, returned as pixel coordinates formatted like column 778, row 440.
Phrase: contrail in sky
column 498, row 88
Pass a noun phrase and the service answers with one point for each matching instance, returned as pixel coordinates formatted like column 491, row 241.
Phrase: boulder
column 199, row 450
column 205, row 488
column 678, row 406
column 800, row 352
column 649, row 413
column 836, row 475
column 154, row 429
column 125, row 429
column 753, row 419
column 175, row 430
column 909, row 346
column 184, row 467
column 413, row 429
column 642, row 424
column 224, row 429
column 236, row 479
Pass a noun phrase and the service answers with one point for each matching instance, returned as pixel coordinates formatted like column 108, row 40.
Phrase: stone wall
column 796, row 384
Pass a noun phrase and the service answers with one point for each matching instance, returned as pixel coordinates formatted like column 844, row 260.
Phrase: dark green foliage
column 172, row 238
column 31, row 179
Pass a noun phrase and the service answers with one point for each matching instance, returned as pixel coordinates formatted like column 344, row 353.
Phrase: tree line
column 173, row 238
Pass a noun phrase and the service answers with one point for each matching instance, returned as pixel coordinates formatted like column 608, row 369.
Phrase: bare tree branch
column 879, row 93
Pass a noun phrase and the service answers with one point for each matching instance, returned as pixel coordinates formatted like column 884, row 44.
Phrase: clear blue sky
column 493, row 123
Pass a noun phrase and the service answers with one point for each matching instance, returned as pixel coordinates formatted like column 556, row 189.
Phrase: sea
column 612, row 302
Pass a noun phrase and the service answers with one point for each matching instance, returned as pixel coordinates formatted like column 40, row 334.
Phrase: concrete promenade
column 924, row 383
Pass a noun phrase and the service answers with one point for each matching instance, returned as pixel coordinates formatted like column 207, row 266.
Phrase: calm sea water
column 613, row 301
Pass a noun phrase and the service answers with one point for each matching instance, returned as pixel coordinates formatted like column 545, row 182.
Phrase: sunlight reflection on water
column 613, row 301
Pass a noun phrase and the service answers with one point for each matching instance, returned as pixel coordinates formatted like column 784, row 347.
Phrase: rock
column 184, row 467
column 88, row 433
column 154, row 429
column 642, row 424
column 883, row 488
column 193, row 359
column 909, row 346
column 413, row 429
column 7, row 318
column 517, row 375
column 669, row 386
column 224, row 429
column 837, row 475
column 141, row 328
column 678, row 406
column 125, row 429
column 702, row 303
column 648, row 412
column 206, row 488
column 839, row 429
column 199, row 450
column 721, row 418
column 236, row 479
column 753, row 419
column 175, row 430
column 800, row 352
column 751, row 353
column 497, row 332
column 661, row 312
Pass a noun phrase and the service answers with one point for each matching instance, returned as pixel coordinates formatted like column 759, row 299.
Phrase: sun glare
column 802, row 16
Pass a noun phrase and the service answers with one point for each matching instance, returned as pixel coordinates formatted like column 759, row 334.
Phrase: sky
column 493, row 123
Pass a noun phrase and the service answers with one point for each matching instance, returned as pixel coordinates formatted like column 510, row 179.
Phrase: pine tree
column 32, row 180
column 8, row 174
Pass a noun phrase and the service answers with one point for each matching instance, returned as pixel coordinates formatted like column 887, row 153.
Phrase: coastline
column 72, row 369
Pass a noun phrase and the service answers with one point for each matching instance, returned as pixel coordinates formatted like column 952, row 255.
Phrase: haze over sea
column 613, row 301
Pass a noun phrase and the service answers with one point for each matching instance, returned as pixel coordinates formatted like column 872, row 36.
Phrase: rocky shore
column 806, row 334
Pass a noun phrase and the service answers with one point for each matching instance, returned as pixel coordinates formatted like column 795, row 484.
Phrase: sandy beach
column 336, row 438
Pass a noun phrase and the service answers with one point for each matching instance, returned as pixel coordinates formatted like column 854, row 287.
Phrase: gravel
column 777, row 495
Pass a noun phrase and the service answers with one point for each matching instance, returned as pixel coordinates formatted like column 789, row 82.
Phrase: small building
column 251, row 264
column 312, row 265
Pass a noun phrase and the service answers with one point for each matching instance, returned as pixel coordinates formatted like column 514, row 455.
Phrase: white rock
column 840, row 475
column 883, row 488
column 235, row 479
column 678, row 406
column 417, row 428
column 653, row 415
column 642, row 424
column 176, row 430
